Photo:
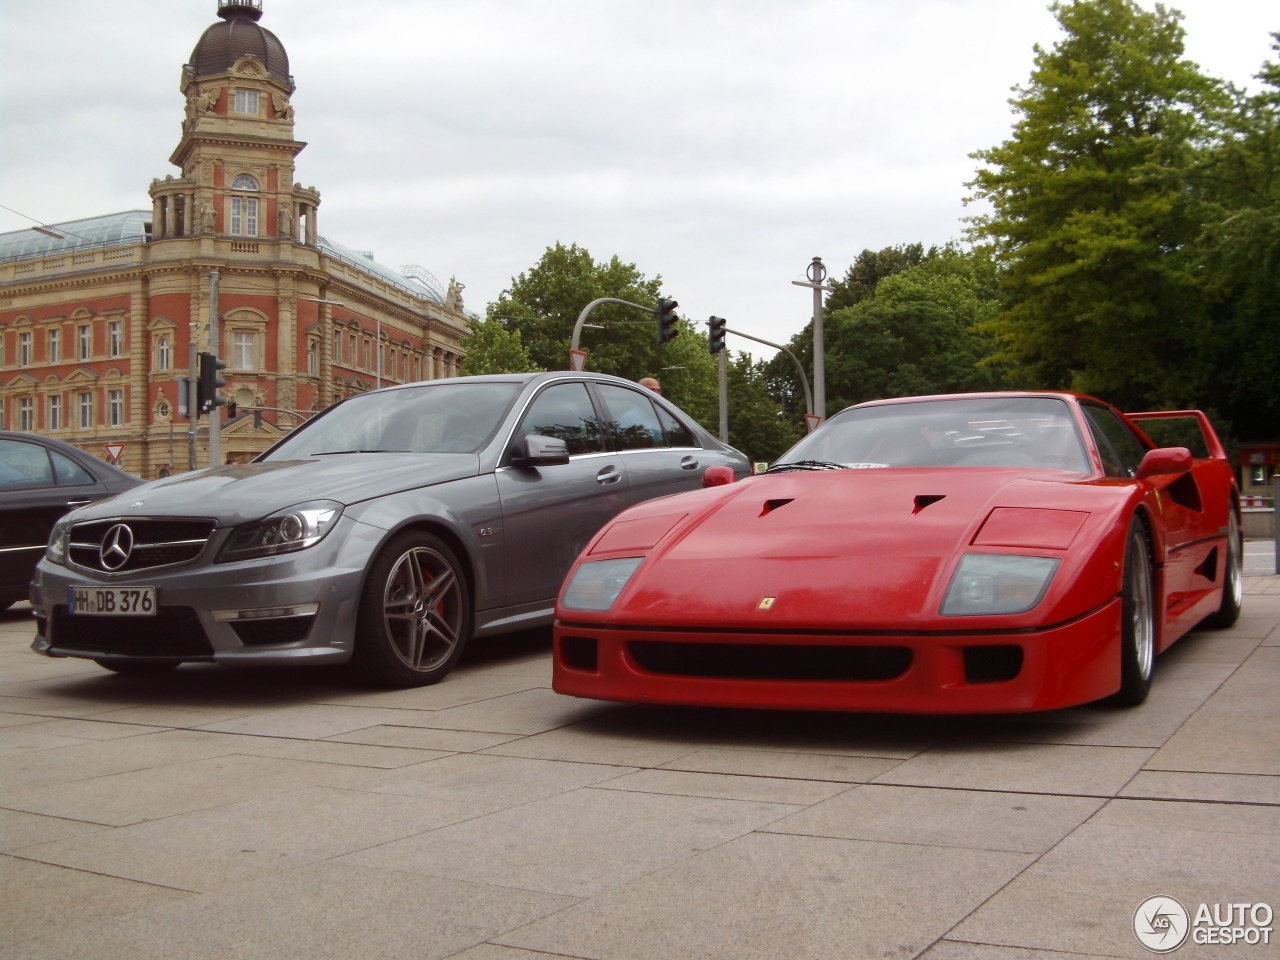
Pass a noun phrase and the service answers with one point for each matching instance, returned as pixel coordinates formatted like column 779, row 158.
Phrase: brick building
column 100, row 317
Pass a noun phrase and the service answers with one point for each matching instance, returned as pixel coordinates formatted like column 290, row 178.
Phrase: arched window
column 244, row 210
column 163, row 356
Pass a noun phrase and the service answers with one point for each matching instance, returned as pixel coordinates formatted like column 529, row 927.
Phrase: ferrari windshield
column 431, row 418
column 963, row 432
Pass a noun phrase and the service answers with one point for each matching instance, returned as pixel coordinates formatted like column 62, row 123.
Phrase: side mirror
column 717, row 476
column 1164, row 461
column 536, row 450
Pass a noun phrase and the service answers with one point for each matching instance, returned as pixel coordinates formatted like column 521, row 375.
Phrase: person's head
column 651, row 383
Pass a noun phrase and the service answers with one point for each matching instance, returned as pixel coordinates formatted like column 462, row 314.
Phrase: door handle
column 689, row 463
column 77, row 503
column 608, row 475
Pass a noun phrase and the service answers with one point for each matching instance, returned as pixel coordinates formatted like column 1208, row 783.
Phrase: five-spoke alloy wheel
column 415, row 613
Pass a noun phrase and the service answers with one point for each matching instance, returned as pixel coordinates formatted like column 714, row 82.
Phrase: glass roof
column 117, row 229
column 112, row 230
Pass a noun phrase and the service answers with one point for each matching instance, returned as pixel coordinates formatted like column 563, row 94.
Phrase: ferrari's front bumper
column 1059, row 666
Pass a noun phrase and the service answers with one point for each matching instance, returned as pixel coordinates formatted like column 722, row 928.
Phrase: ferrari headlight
column 987, row 583
column 595, row 585
column 285, row 531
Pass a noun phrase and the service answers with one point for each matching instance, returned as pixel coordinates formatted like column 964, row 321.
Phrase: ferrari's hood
column 233, row 494
column 868, row 548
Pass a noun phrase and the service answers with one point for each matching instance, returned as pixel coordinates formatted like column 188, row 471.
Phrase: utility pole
column 215, row 413
column 816, row 273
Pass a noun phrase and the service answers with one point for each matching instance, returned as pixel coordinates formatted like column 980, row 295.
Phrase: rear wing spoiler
column 1181, row 428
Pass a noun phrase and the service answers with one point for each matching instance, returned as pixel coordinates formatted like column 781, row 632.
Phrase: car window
column 678, row 435
column 1120, row 449
column 68, row 472
column 564, row 411
column 24, row 465
column 1008, row 431
column 632, row 418
column 431, row 418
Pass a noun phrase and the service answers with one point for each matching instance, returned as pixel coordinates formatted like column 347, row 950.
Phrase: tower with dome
column 100, row 317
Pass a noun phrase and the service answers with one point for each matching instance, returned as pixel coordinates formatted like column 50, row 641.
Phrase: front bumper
column 278, row 610
column 1061, row 666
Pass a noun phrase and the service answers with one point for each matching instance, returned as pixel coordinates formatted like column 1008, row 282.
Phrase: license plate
column 112, row 601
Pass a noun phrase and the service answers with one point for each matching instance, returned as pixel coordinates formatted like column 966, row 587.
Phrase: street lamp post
column 816, row 273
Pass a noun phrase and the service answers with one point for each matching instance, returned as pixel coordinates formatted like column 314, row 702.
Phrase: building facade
column 101, row 318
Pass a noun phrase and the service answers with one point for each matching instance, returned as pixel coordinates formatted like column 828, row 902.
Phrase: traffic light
column 715, row 334
column 210, row 383
column 667, row 329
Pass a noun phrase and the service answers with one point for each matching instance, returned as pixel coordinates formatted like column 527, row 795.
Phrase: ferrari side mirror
column 717, row 476
column 1164, row 461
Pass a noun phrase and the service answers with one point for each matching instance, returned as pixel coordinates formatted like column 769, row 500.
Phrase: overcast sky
column 719, row 144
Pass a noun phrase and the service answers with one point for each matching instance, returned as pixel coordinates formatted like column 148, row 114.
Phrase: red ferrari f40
column 974, row 553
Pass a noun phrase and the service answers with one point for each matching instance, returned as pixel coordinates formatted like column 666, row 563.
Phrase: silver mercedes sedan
column 383, row 533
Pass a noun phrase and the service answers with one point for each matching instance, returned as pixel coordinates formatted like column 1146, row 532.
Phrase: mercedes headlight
column 59, row 537
column 997, row 583
column 285, row 531
column 595, row 585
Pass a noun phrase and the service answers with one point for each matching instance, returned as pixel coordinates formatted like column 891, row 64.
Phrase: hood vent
column 772, row 505
column 926, row 499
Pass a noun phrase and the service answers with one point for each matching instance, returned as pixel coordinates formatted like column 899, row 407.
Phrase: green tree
column 543, row 305
column 530, row 326
column 921, row 331
column 1240, row 253
column 758, row 424
column 871, row 266
column 1093, row 211
column 495, row 348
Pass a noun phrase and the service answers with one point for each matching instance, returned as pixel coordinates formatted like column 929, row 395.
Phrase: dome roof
column 236, row 36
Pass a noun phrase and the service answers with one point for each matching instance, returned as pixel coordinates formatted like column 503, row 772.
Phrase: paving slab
column 119, row 799
column 725, row 786
column 208, row 849
column 326, row 911
column 36, row 898
column 577, row 844
column 764, row 897
column 271, row 813
column 981, row 820
column 1082, row 894
column 487, row 784
column 1022, row 768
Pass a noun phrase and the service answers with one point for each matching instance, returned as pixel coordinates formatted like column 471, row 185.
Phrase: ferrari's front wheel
column 1138, row 619
column 415, row 613
column 1228, row 611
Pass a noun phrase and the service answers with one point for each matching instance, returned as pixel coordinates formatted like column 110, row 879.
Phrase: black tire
column 139, row 668
column 1138, row 619
column 415, row 613
column 1228, row 611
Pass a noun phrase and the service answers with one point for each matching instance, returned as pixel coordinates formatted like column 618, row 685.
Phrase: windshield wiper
column 334, row 453
column 805, row 465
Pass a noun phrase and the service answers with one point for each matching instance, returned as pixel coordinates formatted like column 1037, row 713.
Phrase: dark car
column 384, row 532
column 40, row 480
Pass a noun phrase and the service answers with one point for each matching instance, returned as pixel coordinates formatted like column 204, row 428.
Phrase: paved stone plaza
column 213, row 814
